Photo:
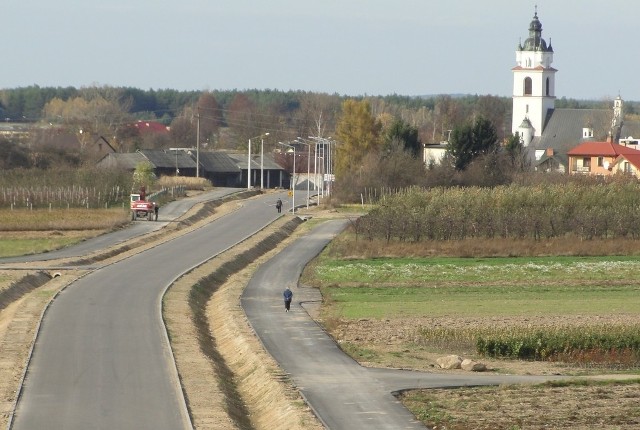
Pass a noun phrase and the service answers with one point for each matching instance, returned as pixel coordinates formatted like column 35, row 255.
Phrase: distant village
column 575, row 141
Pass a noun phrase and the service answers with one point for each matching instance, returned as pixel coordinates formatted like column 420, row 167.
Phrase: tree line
column 379, row 139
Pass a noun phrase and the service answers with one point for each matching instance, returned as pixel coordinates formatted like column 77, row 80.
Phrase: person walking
column 288, row 296
column 279, row 205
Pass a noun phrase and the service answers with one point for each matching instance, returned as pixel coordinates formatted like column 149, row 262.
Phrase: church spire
column 533, row 83
column 535, row 42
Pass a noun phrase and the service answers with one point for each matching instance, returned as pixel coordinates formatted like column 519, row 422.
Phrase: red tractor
column 141, row 208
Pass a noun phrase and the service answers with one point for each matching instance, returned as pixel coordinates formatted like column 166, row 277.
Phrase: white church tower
column 533, row 84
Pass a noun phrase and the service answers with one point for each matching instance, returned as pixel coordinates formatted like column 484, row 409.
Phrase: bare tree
column 210, row 116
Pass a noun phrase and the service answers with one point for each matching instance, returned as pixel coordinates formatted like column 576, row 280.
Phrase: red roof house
column 150, row 127
column 599, row 158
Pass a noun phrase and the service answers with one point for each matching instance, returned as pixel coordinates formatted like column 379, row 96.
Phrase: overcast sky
column 348, row 47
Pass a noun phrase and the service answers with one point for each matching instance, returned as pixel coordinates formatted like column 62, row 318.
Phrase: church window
column 527, row 86
column 548, row 85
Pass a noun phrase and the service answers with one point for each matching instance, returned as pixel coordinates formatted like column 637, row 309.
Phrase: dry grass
column 190, row 183
column 62, row 219
column 349, row 247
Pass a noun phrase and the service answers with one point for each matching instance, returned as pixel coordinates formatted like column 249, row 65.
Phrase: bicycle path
column 343, row 394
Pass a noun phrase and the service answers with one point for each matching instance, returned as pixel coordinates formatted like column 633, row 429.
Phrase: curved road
column 102, row 358
column 343, row 394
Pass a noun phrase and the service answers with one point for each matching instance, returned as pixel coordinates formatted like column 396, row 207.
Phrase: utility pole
column 198, row 144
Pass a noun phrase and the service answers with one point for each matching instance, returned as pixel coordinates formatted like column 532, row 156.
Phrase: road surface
column 102, row 358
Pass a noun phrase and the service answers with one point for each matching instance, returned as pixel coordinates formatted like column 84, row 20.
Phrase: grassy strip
column 62, row 219
column 17, row 247
column 383, row 288
column 27, row 232
column 21, row 287
column 199, row 297
column 485, row 270
column 426, row 299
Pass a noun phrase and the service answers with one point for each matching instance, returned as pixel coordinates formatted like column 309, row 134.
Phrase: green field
column 384, row 288
column 17, row 247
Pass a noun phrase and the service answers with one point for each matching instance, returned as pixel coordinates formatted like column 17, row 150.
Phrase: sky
column 346, row 47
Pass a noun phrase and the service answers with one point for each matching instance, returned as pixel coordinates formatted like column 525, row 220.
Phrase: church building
column 549, row 133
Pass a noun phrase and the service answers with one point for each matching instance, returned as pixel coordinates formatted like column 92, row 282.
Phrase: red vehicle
column 142, row 208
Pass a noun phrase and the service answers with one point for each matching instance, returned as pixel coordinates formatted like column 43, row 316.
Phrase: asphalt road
column 102, row 358
column 343, row 394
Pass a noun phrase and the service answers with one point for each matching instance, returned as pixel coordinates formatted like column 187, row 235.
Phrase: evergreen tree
column 403, row 133
column 470, row 141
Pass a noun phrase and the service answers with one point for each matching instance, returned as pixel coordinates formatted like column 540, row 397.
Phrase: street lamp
column 262, row 161
column 293, row 176
column 175, row 150
column 249, row 159
column 322, row 141
column 301, row 140
column 198, row 145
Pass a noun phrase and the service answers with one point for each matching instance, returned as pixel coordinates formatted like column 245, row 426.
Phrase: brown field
column 45, row 220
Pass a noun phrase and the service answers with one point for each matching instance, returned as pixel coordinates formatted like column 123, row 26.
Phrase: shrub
column 575, row 343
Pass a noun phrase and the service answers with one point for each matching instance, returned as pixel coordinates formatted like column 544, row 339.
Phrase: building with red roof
column 603, row 158
column 151, row 127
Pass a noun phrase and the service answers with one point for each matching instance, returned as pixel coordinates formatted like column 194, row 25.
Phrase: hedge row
column 561, row 342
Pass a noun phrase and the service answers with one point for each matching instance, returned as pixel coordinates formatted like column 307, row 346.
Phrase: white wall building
column 533, row 84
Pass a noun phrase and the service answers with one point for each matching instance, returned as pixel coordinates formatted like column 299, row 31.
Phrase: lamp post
column 198, row 144
column 323, row 142
column 330, row 166
column 175, row 150
column 293, row 177
column 262, row 160
column 301, row 140
column 249, row 159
